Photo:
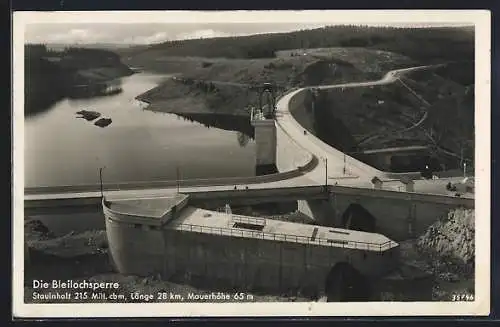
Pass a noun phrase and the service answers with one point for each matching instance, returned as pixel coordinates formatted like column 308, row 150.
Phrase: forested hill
column 50, row 74
column 422, row 44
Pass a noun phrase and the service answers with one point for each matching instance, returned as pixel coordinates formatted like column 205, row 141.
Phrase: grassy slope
column 388, row 108
column 335, row 67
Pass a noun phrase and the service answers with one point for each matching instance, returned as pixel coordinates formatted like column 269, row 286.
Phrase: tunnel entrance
column 356, row 217
column 346, row 284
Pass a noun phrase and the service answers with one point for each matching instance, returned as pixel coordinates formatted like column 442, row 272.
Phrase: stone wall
column 245, row 263
column 235, row 262
column 396, row 218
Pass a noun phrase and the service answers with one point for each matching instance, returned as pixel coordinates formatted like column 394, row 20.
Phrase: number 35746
column 462, row 297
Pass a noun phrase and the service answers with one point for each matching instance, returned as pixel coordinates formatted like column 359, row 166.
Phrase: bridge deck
column 219, row 223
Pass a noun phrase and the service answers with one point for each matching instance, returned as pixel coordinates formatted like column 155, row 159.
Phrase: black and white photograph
column 251, row 163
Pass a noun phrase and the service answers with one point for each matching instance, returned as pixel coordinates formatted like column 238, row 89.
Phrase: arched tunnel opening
column 356, row 217
column 344, row 283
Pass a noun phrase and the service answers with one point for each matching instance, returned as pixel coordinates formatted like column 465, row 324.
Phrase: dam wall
column 289, row 154
column 304, row 117
column 229, row 261
column 256, row 264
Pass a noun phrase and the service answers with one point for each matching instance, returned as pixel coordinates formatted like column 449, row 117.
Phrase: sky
column 143, row 33
column 147, row 33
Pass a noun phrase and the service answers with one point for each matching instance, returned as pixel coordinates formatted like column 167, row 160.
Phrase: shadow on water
column 39, row 105
column 36, row 103
column 226, row 122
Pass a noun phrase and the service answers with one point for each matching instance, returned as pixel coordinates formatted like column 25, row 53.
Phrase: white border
column 481, row 305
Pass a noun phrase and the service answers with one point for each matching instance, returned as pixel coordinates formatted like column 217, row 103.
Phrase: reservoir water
column 139, row 145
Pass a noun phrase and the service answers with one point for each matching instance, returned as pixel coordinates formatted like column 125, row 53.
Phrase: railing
column 348, row 244
column 184, row 183
column 257, row 114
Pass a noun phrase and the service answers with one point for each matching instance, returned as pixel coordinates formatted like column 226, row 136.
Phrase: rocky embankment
column 437, row 265
column 450, row 244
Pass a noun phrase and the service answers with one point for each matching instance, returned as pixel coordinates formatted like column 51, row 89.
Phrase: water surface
column 139, row 145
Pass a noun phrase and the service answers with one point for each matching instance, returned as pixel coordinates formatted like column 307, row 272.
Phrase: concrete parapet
column 282, row 175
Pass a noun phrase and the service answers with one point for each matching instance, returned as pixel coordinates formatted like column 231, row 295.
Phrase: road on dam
column 332, row 166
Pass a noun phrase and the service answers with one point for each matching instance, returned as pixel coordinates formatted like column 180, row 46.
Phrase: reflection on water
column 243, row 139
column 105, row 88
column 139, row 145
column 239, row 124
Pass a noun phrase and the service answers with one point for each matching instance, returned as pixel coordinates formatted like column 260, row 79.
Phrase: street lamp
column 177, row 178
column 344, row 163
column 100, row 181
column 326, row 171
column 465, row 167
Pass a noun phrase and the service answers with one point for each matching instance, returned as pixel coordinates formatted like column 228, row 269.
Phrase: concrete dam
column 359, row 212
column 168, row 237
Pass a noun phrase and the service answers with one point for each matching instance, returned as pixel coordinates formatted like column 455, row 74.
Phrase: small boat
column 103, row 122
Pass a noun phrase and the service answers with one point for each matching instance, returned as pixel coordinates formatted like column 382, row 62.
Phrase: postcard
column 251, row 163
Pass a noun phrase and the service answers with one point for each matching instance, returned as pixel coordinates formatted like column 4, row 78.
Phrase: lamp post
column 100, row 181
column 462, row 162
column 344, row 163
column 177, row 177
column 326, row 172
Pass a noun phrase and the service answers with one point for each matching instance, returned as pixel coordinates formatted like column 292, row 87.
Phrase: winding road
column 318, row 148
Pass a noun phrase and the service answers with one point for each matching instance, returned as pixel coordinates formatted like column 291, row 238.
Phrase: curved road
column 358, row 174
column 334, row 159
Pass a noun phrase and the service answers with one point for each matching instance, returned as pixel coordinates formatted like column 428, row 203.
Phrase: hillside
column 426, row 45
column 44, row 83
column 230, row 80
column 422, row 108
column 50, row 75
